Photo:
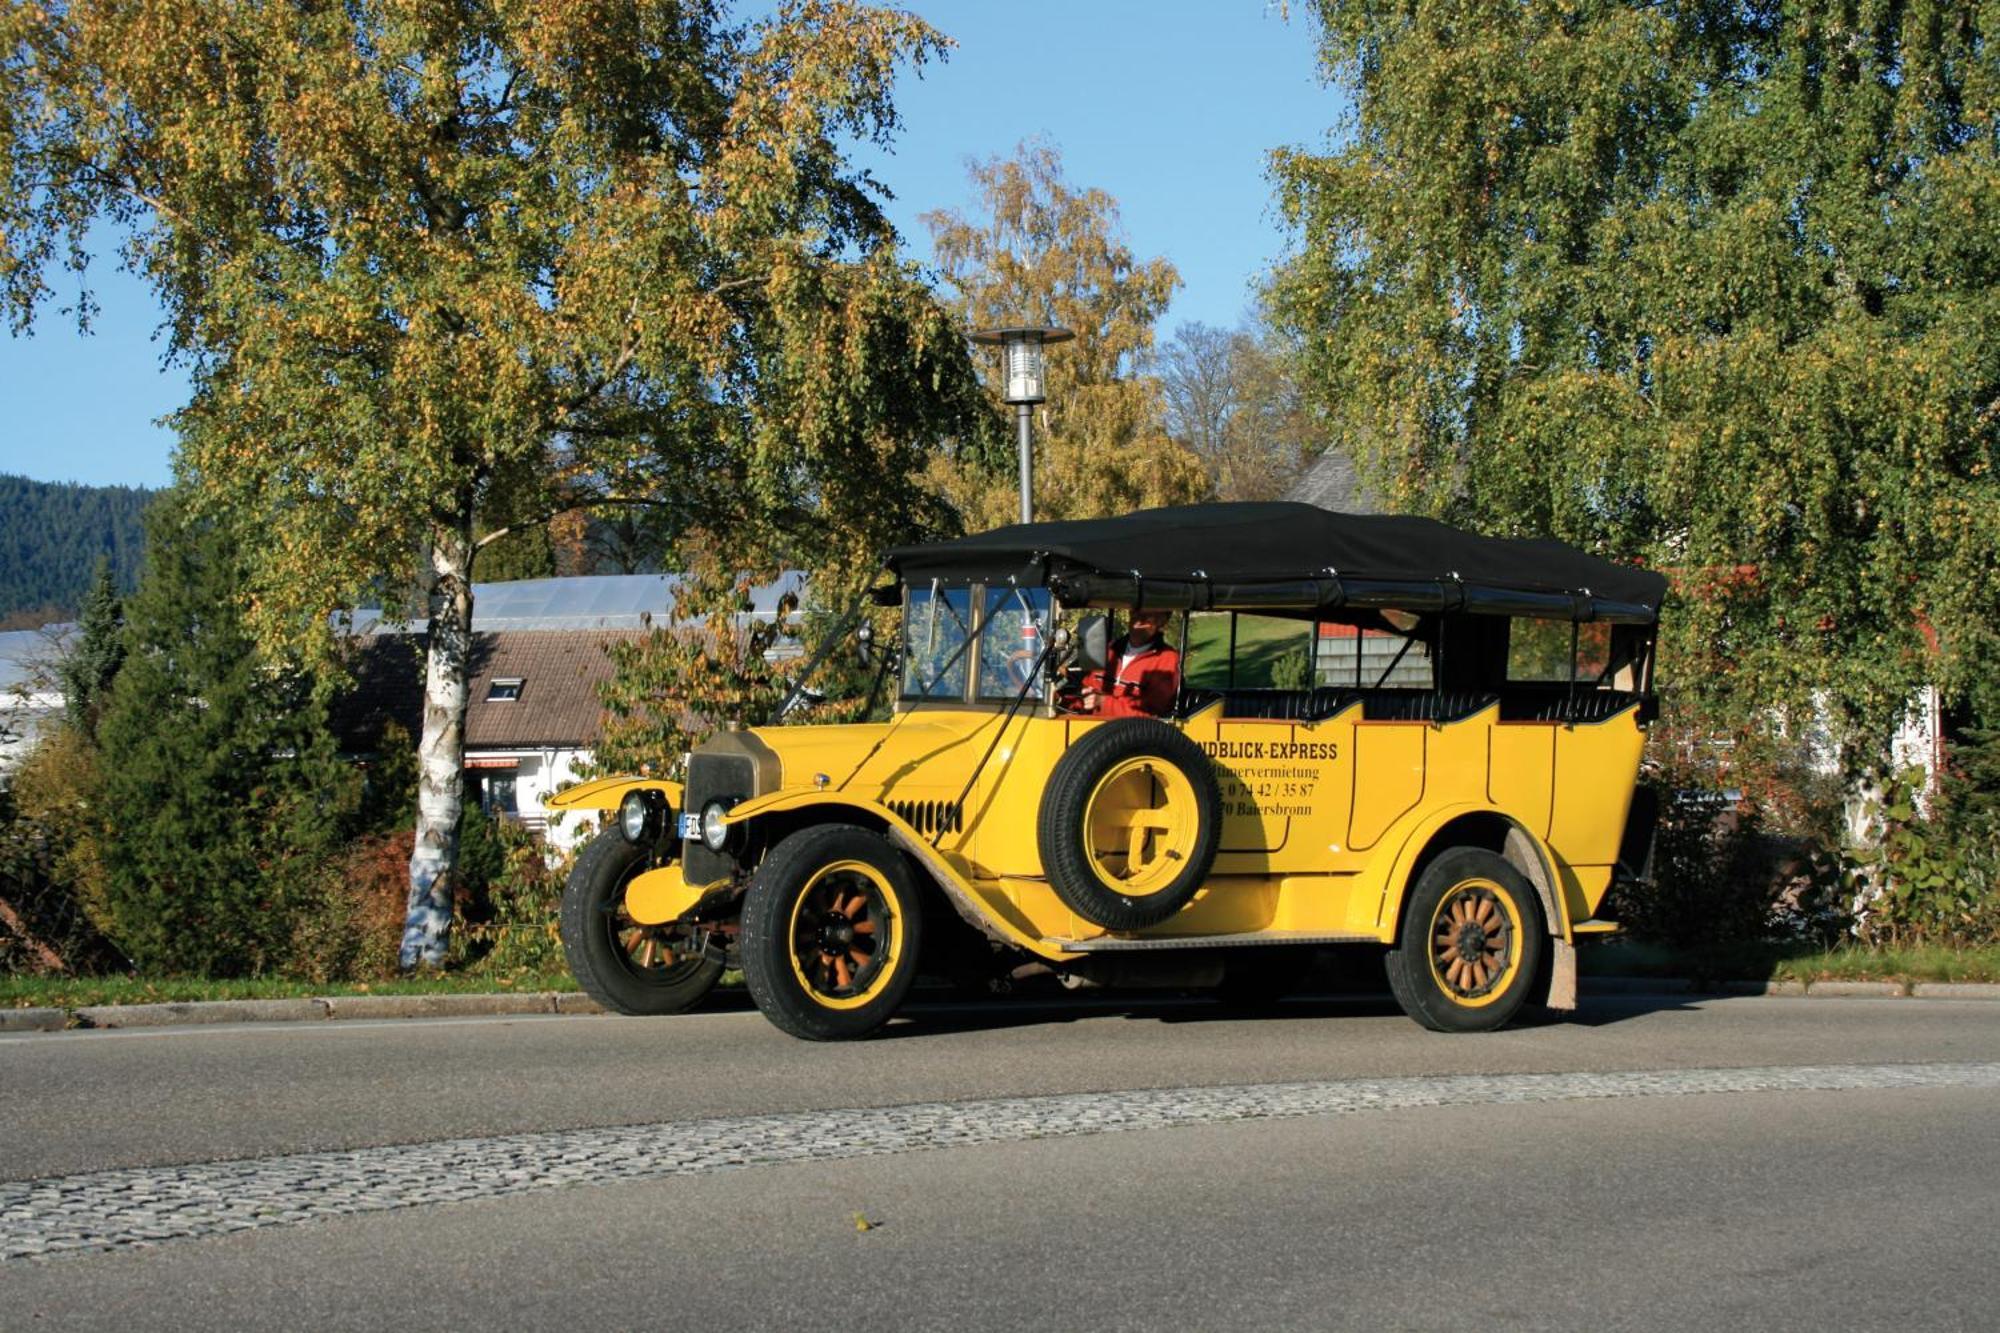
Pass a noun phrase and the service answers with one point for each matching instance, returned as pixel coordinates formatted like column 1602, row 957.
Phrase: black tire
column 808, row 961
column 1471, row 945
column 1086, row 878
column 1257, row 979
column 608, row 952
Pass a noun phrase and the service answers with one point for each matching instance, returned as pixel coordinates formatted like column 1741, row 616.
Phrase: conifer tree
column 223, row 796
column 87, row 670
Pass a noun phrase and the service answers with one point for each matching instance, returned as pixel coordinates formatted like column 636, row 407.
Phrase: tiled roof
column 559, row 671
column 1333, row 482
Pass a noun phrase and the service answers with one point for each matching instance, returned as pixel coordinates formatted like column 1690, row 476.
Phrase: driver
column 1142, row 676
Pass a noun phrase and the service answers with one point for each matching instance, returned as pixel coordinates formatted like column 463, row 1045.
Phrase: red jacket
column 1145, row 687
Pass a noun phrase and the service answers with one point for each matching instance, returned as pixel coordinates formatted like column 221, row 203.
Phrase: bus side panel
column 1596, row 767
column 1388, row 777
column 1521, row 773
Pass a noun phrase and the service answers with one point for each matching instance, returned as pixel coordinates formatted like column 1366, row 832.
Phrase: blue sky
column 1170, row 105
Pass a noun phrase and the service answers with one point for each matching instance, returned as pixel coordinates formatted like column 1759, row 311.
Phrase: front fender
column 956, row 887
column 606, row 793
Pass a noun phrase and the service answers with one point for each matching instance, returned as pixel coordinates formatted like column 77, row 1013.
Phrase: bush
column 509, row 927
column 1747, row 850
column 1932, row 877
column 352, row 928
column 51, row 859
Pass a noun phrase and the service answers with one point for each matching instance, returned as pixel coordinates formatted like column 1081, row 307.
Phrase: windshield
column 936, row 629
column 1017, row 627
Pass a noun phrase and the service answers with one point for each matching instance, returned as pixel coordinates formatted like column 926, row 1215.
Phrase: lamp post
column 1023, row 362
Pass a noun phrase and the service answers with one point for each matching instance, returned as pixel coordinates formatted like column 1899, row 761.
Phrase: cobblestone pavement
column 114, row 1209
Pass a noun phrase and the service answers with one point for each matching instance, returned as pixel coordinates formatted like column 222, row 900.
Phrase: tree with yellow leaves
column 443, row 270
column 1047, row 253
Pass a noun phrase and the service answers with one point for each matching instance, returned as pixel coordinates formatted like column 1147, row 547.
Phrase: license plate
column 690, row 825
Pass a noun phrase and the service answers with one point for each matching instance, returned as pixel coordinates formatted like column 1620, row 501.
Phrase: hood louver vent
column 929, row 817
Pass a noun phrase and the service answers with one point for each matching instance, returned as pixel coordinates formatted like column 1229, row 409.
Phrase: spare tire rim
column 1475, row 942
column 1140, row 826
column 843, row 936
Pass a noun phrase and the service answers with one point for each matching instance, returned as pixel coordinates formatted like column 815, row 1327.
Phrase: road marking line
column 134, row 1207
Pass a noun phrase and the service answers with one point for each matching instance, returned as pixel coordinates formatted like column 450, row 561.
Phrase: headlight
column 633, row 815
column 642, row 815
column 714, row 833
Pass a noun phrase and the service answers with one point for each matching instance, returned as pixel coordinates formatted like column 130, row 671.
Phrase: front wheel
column 624, row 966
column 1471, row 944
column 831, row 933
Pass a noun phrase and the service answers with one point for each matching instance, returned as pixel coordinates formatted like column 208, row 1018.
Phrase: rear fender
column 1523, row 850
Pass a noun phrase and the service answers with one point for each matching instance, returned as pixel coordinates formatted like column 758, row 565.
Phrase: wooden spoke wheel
column 831, row 932
column 1475, row 939
column 627, row 967
column 844, row 933
column 1471, row 944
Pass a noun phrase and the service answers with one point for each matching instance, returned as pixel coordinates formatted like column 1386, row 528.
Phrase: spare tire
column 1129, row 823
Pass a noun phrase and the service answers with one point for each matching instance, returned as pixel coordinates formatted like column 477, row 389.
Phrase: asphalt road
column 1428, row 1200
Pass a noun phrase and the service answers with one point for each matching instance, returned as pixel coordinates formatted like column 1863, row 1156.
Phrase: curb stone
column 189, row 1012
column 1858, row 989
column 1956, row 990
column 33, row 1020
column 437, row 1006
column 177, row 1014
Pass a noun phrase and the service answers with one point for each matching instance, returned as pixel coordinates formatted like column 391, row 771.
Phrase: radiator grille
column 728, row 777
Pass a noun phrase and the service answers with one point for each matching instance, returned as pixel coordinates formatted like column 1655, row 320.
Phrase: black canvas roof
column 1283, row 555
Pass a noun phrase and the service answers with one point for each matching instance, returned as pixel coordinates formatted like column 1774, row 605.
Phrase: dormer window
column 504, row 690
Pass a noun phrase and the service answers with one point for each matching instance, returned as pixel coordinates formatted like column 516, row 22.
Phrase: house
column 540, row 652
column 31, row 698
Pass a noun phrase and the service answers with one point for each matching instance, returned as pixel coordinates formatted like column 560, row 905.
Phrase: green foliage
column 676, row 684
column 1931, row 876
column 1713, row 286
column 388, row 782
column 46, row 927
column 222, row 799
column 89, row 667
column 1293, row 670
column 456, row 269
column 507, row 924
column 57, row 840
column 53, row 534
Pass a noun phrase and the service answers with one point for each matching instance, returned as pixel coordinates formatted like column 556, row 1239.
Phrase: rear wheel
column 1471, row 944
column 626, row 967
column 831, row 933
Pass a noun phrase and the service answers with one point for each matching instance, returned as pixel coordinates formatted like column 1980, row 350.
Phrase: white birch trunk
column 440, row 753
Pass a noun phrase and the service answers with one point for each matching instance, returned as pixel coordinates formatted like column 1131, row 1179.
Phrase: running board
column 1130, row 944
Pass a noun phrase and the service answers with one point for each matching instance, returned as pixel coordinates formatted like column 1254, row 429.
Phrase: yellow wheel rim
column 1140, row 825
column 1475, row 942
column 845, row 934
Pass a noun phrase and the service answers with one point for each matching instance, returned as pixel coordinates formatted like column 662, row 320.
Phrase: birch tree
column 1714, row 285
column 446, row 269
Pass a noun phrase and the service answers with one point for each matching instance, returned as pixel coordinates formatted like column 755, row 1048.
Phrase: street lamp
column 1023, row 361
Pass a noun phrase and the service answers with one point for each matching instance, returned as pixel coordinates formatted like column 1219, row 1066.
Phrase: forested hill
column 51, row 535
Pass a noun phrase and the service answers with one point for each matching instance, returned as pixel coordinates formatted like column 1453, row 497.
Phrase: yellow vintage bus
column 1369, row 730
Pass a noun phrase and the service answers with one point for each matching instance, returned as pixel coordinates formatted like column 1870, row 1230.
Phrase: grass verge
column 1796, row 962
column 78, row 992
